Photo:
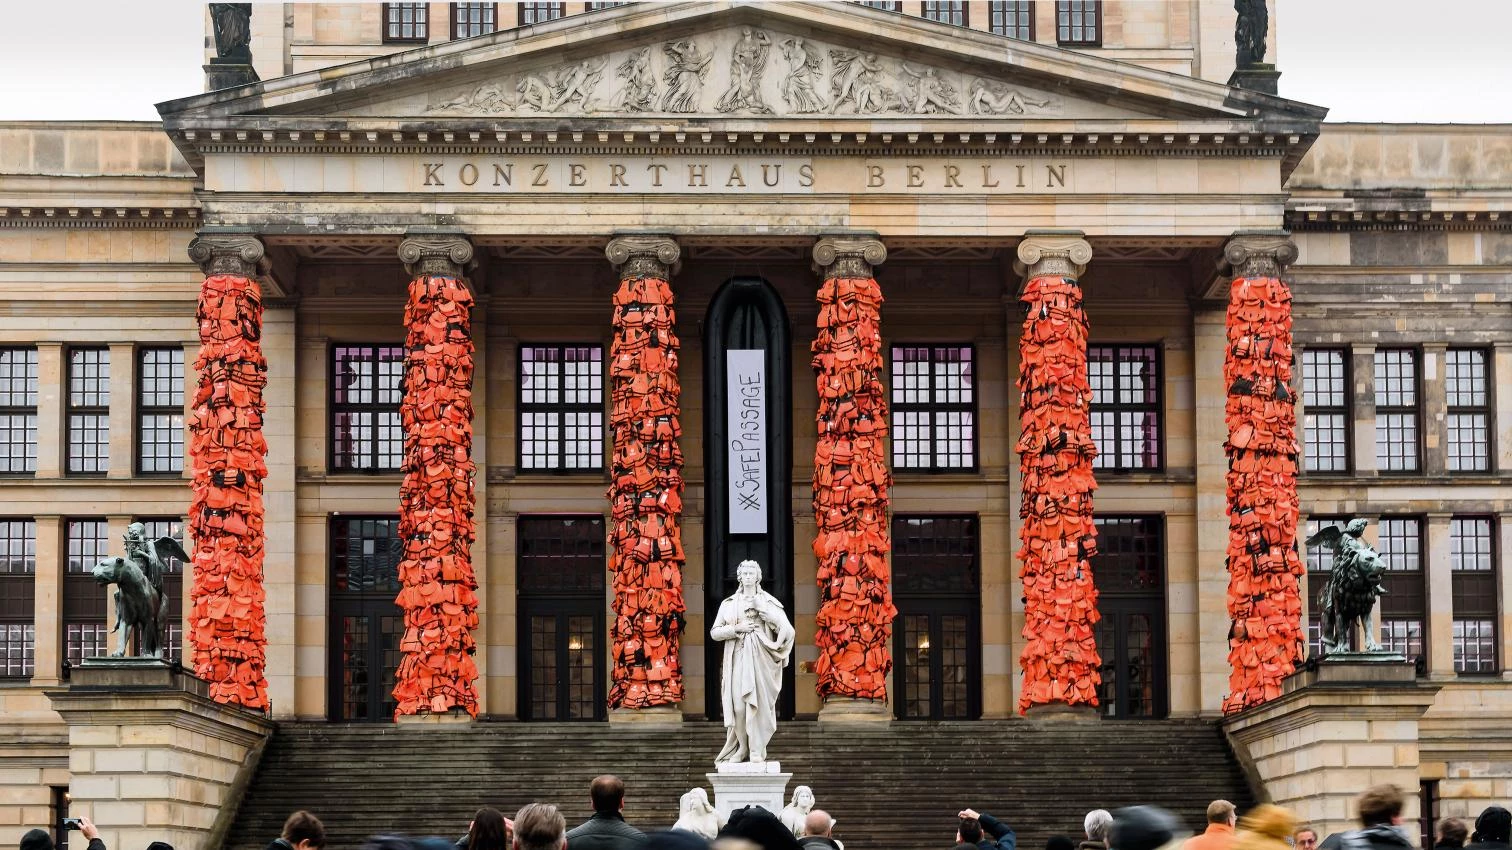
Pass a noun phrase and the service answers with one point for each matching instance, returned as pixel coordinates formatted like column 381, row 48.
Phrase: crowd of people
column 541, row 826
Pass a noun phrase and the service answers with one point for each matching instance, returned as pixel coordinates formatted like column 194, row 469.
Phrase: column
column 228, row 623
column 1266, row 632
column 437, row 674
column 853, row 634
column 52, row 389
column 1362, row 404
column 47, row 611
column 1435, row 410
column 1438, row 629
column 1055, row 448
column 646, row 552
column 279, row 331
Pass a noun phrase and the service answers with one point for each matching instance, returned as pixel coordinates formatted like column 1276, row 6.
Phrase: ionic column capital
column 438, row 254
column 640, row 255
column 1053, row 252
column 848, row 255
column 1257, row 253
column 237, row 254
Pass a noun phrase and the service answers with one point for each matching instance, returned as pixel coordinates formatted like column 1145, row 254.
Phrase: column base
column 450, row 718
column 850, row 711
column 1059, row 712
column 657, row 717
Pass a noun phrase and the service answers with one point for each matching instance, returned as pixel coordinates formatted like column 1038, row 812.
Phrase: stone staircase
column 897, row 787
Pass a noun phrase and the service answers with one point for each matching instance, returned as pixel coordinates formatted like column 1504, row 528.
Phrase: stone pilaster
column 51, row 389
column 1504, row 591
column 1434, row 405
column 122, row 410
column 1363, row 409
column 1438, row 630
column 47, row 611
column 1501, row 435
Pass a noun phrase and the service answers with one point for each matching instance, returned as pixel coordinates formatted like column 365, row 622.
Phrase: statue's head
column 136, row 533
column 803, row 797
column 107, row 571
column 1356, row 527
column 748, row 573
column 695, row 802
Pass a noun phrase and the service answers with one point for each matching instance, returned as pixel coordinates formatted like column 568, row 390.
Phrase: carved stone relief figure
column 684, row 76
column 576, row 83
column 533, row 91
column 857, row 78
column 805, row 65
column 489, row 98
column 989, row 97
column 639, row 93
column 748, row 60
column 929, row 92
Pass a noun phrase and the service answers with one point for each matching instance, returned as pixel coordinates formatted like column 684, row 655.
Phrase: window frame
column 31, row 381
column 143, row 410
column 882, row 5
column 933, row 408
column 997, row 7
column 522, row 407
column 70, row 409
column 1485, row 410
column 964, row 9
column 22, row 600
column 333, row 410
column 79, row 581
column 1097, row 23
column 520, row 7
column 1416, row 409
column 1345, row 410
column 389, row 38
column 1491, row 576
column 600, row 5
column 482, row 7
column 1159, row 407
column 1421, row 585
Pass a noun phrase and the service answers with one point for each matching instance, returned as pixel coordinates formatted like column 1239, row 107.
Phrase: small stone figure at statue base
column 697, row 815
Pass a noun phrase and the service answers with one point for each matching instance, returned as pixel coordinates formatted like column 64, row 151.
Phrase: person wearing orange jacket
column 1219, row 834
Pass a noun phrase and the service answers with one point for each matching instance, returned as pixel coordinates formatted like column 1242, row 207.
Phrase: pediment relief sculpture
column 746, row 71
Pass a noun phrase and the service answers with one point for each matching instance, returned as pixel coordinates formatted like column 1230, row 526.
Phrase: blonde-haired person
column 1266, row 827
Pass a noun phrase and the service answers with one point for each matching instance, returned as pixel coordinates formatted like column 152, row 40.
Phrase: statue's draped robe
column 752, row 676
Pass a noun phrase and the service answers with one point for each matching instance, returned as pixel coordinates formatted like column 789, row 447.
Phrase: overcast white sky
column 1367, row 60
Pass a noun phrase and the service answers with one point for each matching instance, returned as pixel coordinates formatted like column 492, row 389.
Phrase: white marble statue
column 696, row 814
column 758, row 643
column 794, row 813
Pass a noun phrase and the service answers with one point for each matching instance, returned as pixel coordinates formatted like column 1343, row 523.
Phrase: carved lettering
column 776, row 177
column 576, row 174
column 952, row 177
column 735, row 178
column 805, row 175
column 915, row 176
column 874, row 178
column 656, row 170
column 505, row 173
column 700, row 173
column 432, row 173
column 1055, row 174
column 617, row 175
column 987, row 181
column 540, row 175
column 468, row 174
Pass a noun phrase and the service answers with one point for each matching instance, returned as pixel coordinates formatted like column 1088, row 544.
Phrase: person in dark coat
column 39, row 839
column 607, row 829
column 760, row 827
column 984, row 832
column 302, row 831
column 489, row 830
column 1451, row 834
column 1142, row 828
column 1059, row 842
column 1380, row 821
column 1492, row 830
column 817, row 825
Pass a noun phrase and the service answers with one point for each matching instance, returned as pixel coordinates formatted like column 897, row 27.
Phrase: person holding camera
column 38, row 839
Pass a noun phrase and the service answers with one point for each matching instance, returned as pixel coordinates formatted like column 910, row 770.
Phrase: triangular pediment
column 722, row 61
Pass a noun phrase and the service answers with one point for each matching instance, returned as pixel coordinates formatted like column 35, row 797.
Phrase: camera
column 72, row 823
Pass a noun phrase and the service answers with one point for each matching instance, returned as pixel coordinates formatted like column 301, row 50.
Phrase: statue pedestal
column 740, row 784
column 151, row 756
column 1341, row 725
column 847, row 711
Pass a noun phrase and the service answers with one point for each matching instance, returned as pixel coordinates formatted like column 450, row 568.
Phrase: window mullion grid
column 1468, row 408
column 1473, row 581
column 1398, row 368
column 88, row 399
column 154, row 400
column 1326, row 375
column 18, row 410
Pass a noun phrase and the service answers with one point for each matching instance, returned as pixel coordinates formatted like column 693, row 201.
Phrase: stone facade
column 1158, row 169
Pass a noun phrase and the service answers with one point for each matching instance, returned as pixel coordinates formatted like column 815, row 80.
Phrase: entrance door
column 748, row 458
column 1129, row 570
column 563, row 631
column 937, row 663
column 365, row 622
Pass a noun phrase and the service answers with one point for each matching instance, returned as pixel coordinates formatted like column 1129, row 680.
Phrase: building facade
column 959, row 142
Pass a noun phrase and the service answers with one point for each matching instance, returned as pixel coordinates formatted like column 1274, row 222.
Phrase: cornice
column 99, row 218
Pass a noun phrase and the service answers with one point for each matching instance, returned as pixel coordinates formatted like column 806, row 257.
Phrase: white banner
column 745, row 400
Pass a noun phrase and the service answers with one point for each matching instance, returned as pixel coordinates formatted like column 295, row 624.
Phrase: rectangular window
column 540, row 13
column 1125, row 381
column 173, row 582
column 934, row 408
column 1078, row 23
column 406, row 22
column 470, row 19
column 18, row 410
column 1319, row 562
column 366, row 390
column 1472, row 557
column 83, row 600
column 1325, row 401
column 18, row 570
column 884, row 5
column 1403, row 609
column 89, row 411
column 596, row 5
column 1396, row 398
column 160, row 410
column 1469, row 422
column 562, row 408
column 1013, row 18
column 946, row 11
